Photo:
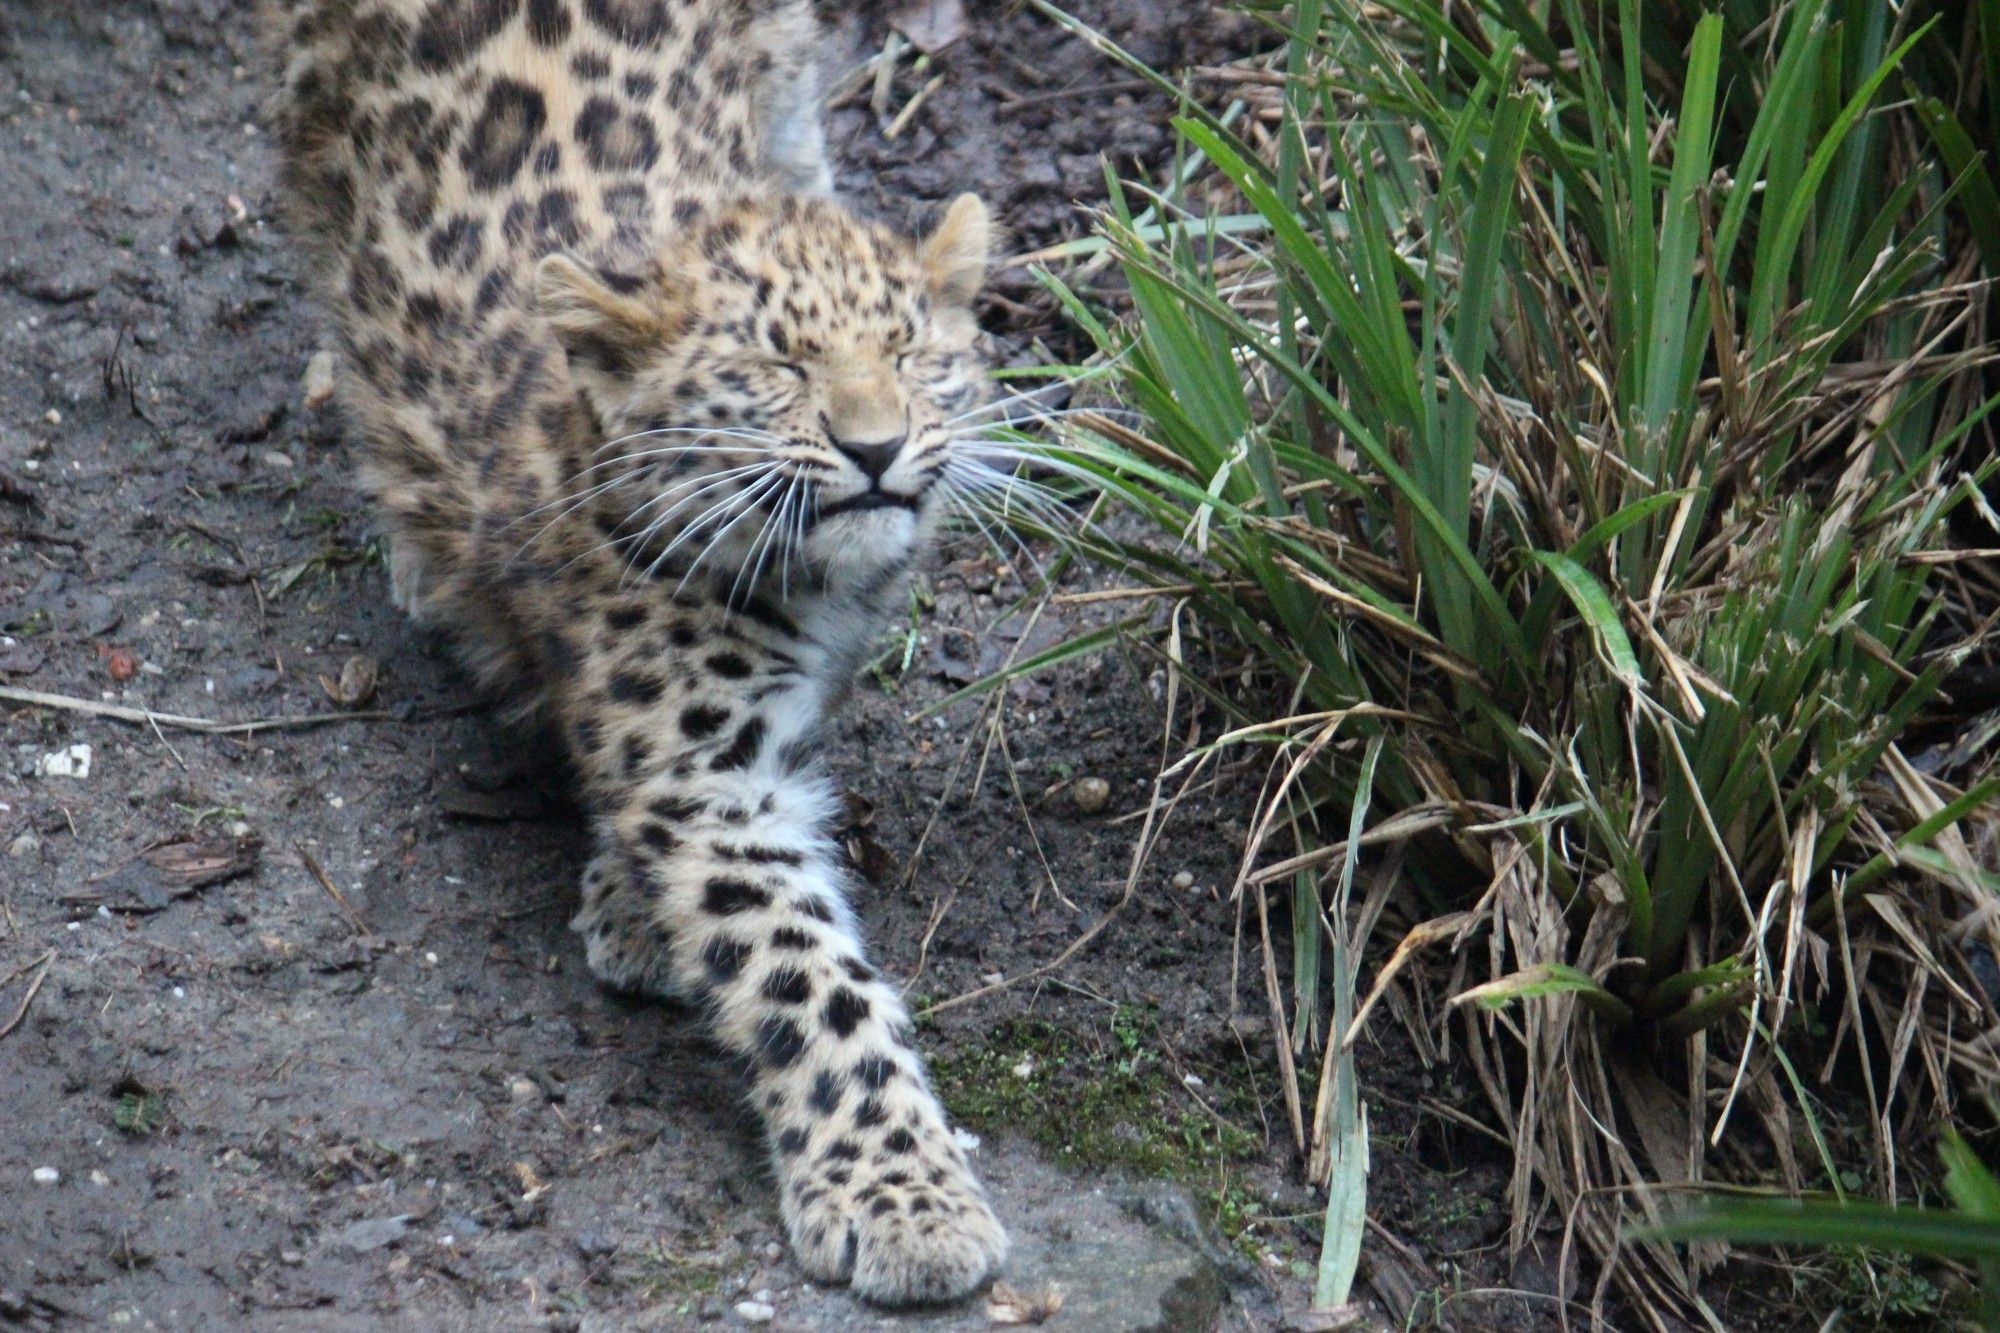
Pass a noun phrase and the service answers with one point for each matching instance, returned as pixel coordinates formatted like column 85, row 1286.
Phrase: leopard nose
column 873, row 457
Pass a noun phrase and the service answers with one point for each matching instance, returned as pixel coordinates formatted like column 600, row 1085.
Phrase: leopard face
column 785, row 385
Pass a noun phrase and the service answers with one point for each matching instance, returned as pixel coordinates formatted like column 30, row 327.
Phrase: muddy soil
column 338, row 1064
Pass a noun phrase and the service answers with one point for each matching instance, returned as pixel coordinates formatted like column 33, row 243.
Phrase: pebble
column 46, row 1175
column 773, row 1252
column 1091, row 795
column 594, row 1244
column 1183, row 880
column 524, row 1090
column 755, row 1312
column 73, row 762
column 99, row 1179
column 23, row 845
column 319, row 379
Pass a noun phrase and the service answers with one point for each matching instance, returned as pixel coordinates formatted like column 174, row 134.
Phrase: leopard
column 658, row 428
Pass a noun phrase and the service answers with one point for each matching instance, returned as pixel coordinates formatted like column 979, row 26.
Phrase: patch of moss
column 661, row 1277
column 1096, row 1103
column 1886, row 1291
column 1112, row 1105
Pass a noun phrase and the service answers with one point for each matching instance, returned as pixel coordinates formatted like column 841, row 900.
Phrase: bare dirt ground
column 338, row 1064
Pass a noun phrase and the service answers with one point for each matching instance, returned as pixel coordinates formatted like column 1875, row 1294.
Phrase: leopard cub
column 658, row 427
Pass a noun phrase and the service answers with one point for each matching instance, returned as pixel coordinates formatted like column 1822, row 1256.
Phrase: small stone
column 274, row 458
column 1183, row 880
column 319, row 380
column 53, row 417
column 594, row 1244
column 373, row 1234
column 290, row 1258
column 73, row 762
column 755, row 1312
column 524, row 1090
column 1025, row 1068
column 1091, row 795
column 46, row 1175
column 773, row 1252
column 99, row 1179
column 24, row 845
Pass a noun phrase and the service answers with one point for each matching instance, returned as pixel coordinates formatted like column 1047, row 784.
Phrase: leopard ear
column 956, row 254
column 607, row 320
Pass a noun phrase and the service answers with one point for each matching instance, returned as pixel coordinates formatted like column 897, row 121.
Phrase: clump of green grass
column 1561, row 407
column 1858, row 1235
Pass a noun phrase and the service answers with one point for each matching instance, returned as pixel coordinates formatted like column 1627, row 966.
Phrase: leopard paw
column 910, row 1236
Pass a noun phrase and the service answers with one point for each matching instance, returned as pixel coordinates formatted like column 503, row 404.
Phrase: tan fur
column 657, row 427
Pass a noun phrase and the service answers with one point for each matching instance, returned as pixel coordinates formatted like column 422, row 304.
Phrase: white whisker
column 748, row 501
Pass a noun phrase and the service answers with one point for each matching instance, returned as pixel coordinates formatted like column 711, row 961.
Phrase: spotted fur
column 658, row 426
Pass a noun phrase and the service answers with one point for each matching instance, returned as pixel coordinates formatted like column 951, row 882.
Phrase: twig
column 44, row 538
column 235, row 549
column 910, row 108
column 204, row 725
column 47, row 961
column 312, row 864
column 1064, row 94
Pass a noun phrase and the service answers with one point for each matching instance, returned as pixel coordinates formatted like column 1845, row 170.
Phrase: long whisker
column 808, row 499
column 657, row 522
column 760, row 545
column 756, row 475
column 748, row 502
column 699, row 481
column 569, row 497
column 1029, row 395
column 958, row 500
column 750, row 433
column 715, row 513
column 637, row 541
column 984, row 480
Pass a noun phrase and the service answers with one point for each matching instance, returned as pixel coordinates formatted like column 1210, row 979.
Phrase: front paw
column 627, row 947
column 915, row 1233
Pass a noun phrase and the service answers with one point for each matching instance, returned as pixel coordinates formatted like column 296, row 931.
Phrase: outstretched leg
column 724, row 886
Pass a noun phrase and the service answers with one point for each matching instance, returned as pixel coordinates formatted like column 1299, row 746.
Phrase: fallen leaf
column 1004, row 1305
column 356, row 685
column 874, row 862
column 122, row 663
column 200, row 862
column 158, row 875
column 931, row 25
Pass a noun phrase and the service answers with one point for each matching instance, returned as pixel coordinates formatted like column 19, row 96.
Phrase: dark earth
column 291, row 1032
